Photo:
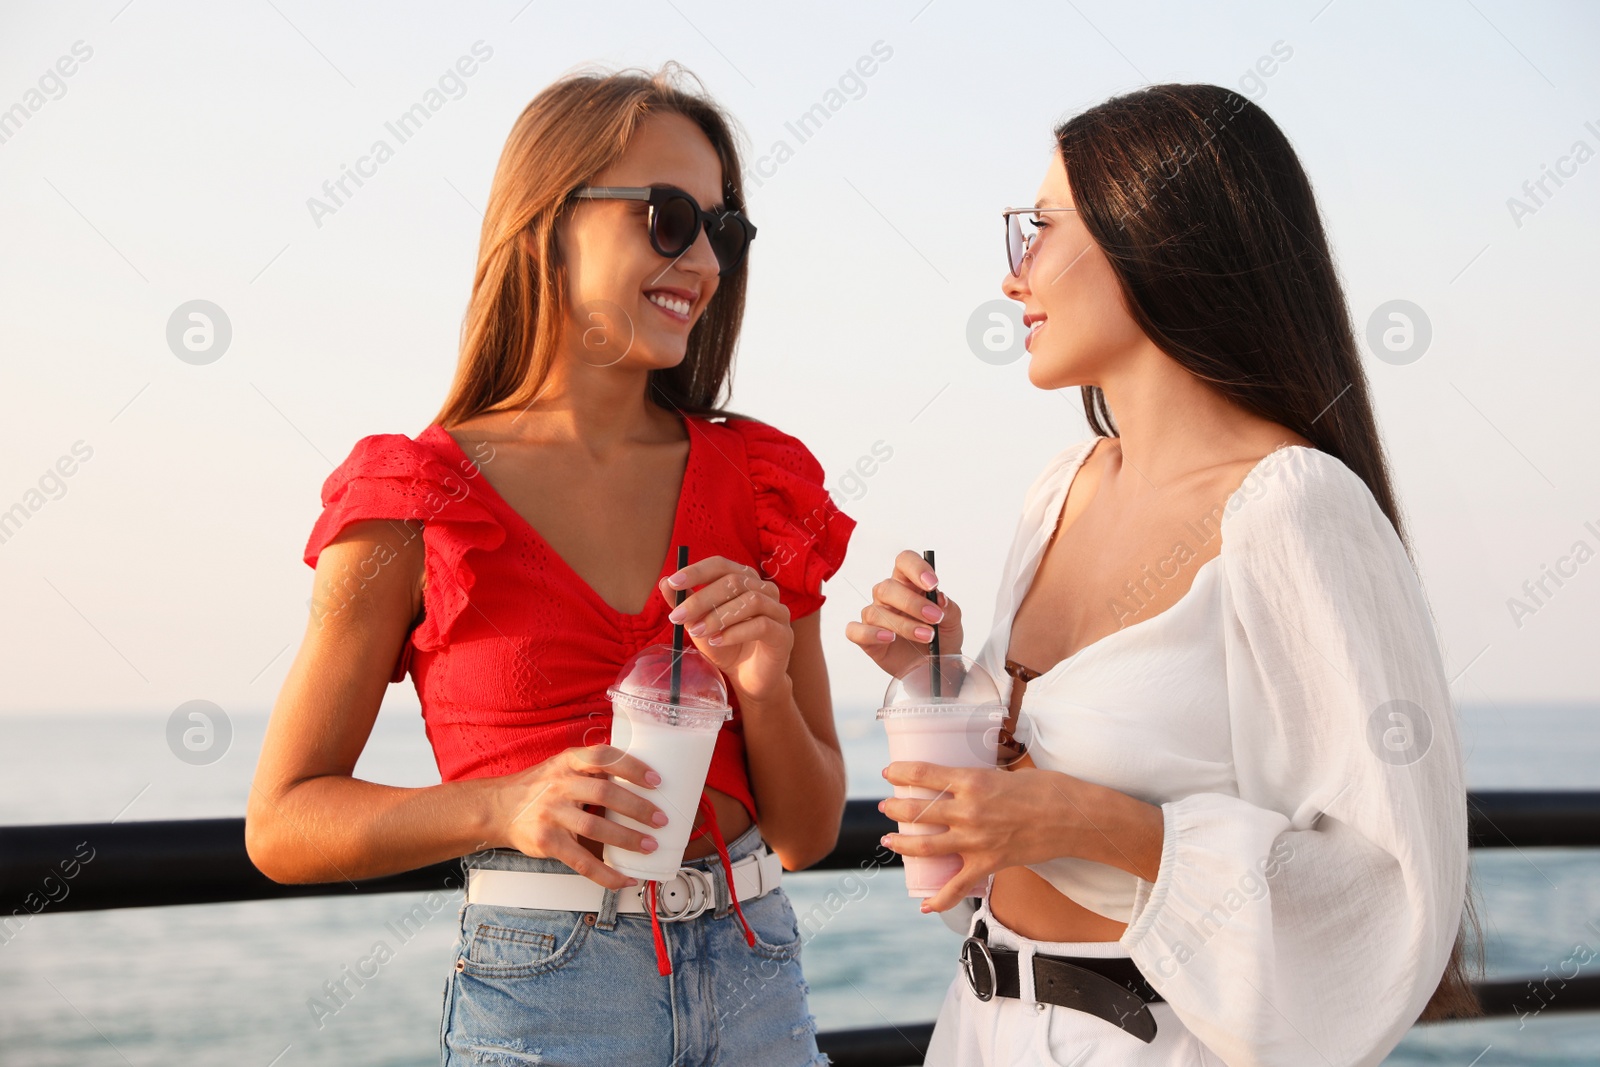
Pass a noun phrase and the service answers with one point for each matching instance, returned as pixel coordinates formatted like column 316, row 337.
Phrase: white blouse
column 1291, row 716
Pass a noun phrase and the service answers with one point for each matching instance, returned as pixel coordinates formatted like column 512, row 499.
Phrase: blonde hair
column 573, row 130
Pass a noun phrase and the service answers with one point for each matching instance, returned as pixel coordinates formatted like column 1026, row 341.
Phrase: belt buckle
column 691, row 883
column 975, row 946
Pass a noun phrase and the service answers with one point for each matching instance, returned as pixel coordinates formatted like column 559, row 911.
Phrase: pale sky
column 176, row 160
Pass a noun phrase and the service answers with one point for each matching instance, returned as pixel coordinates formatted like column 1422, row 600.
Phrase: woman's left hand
column 735, row 619
column 1010, row 818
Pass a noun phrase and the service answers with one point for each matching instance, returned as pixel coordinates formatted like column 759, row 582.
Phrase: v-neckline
column 654, row 603
column 1057, row 507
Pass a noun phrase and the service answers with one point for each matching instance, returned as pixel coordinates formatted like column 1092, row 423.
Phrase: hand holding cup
column 542, row 811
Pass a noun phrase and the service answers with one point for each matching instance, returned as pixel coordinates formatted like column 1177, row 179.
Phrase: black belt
column 1109, row 987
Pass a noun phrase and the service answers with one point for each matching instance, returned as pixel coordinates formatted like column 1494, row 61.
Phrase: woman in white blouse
column 1230, row 823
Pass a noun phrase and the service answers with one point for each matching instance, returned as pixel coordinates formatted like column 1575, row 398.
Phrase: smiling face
column 610, row 265
column 1079, row 323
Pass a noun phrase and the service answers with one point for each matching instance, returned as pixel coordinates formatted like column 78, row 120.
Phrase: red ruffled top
column 514, row 651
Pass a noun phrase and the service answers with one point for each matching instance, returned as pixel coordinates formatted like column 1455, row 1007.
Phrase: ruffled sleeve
column 803, row 534
column 392, row 476
column 1308, row 919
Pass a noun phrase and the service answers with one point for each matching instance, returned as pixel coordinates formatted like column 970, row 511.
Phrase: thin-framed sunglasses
column 676, row 220
column 1019, row 241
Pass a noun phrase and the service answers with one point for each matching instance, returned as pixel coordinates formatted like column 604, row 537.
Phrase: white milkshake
column 674, row 740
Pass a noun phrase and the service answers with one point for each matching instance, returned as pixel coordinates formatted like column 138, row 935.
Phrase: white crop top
column 1291, row 716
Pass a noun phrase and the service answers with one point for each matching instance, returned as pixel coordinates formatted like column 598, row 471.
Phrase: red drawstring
column 727, row 867
column 663, row 961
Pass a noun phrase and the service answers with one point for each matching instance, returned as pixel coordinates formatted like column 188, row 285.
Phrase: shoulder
column 1303, row 514
column 396, row 477
column 771, row 450
column 388, row 456
column 1060, row 466
column 787, row 477
column 803, row 534
column 1298, row 487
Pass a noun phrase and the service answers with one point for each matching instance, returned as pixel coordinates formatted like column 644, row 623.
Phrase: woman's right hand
column 540, row 811
column 899, row 619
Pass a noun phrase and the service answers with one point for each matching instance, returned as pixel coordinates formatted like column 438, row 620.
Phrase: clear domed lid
column 956, row 683
column 648, row 676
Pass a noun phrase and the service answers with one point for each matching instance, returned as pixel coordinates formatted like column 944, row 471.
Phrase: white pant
column 1022, row 1031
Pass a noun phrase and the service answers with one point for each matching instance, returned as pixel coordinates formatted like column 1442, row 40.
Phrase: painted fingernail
column 697, row 629
column 675, row 580
column 885, row 635
column 923, row 633
column 714, row 639
column 931, row 613
column 677, row 614
column 884, row 840
column 649, row 844
column 929, row 579
column 651, row 778
column 659, row 818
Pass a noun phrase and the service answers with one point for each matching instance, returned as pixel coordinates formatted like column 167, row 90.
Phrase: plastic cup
column 675, row 740
column 960, row 727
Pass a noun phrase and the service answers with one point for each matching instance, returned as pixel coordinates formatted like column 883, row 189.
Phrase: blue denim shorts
column 533, row 986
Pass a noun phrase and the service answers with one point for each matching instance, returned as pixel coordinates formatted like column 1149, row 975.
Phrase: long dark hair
column 1208, row 220
column 567, row 134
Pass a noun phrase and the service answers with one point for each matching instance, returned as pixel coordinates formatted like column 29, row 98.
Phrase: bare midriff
column 1025, row 902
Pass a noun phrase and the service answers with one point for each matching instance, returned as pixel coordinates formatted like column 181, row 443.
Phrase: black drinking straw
column 933, row 649
column 677, row 630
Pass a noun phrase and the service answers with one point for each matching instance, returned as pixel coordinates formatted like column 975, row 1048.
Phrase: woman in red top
column 580, row 443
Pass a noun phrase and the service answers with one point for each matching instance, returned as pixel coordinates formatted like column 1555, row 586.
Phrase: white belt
column 684, row 896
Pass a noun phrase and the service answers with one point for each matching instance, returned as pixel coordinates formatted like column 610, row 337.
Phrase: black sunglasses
column 676, row 220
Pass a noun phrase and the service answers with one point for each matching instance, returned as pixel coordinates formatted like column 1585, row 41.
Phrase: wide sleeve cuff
column 1278, row 946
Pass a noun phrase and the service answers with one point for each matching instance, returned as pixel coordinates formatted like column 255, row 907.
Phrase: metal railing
column 203, row 861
